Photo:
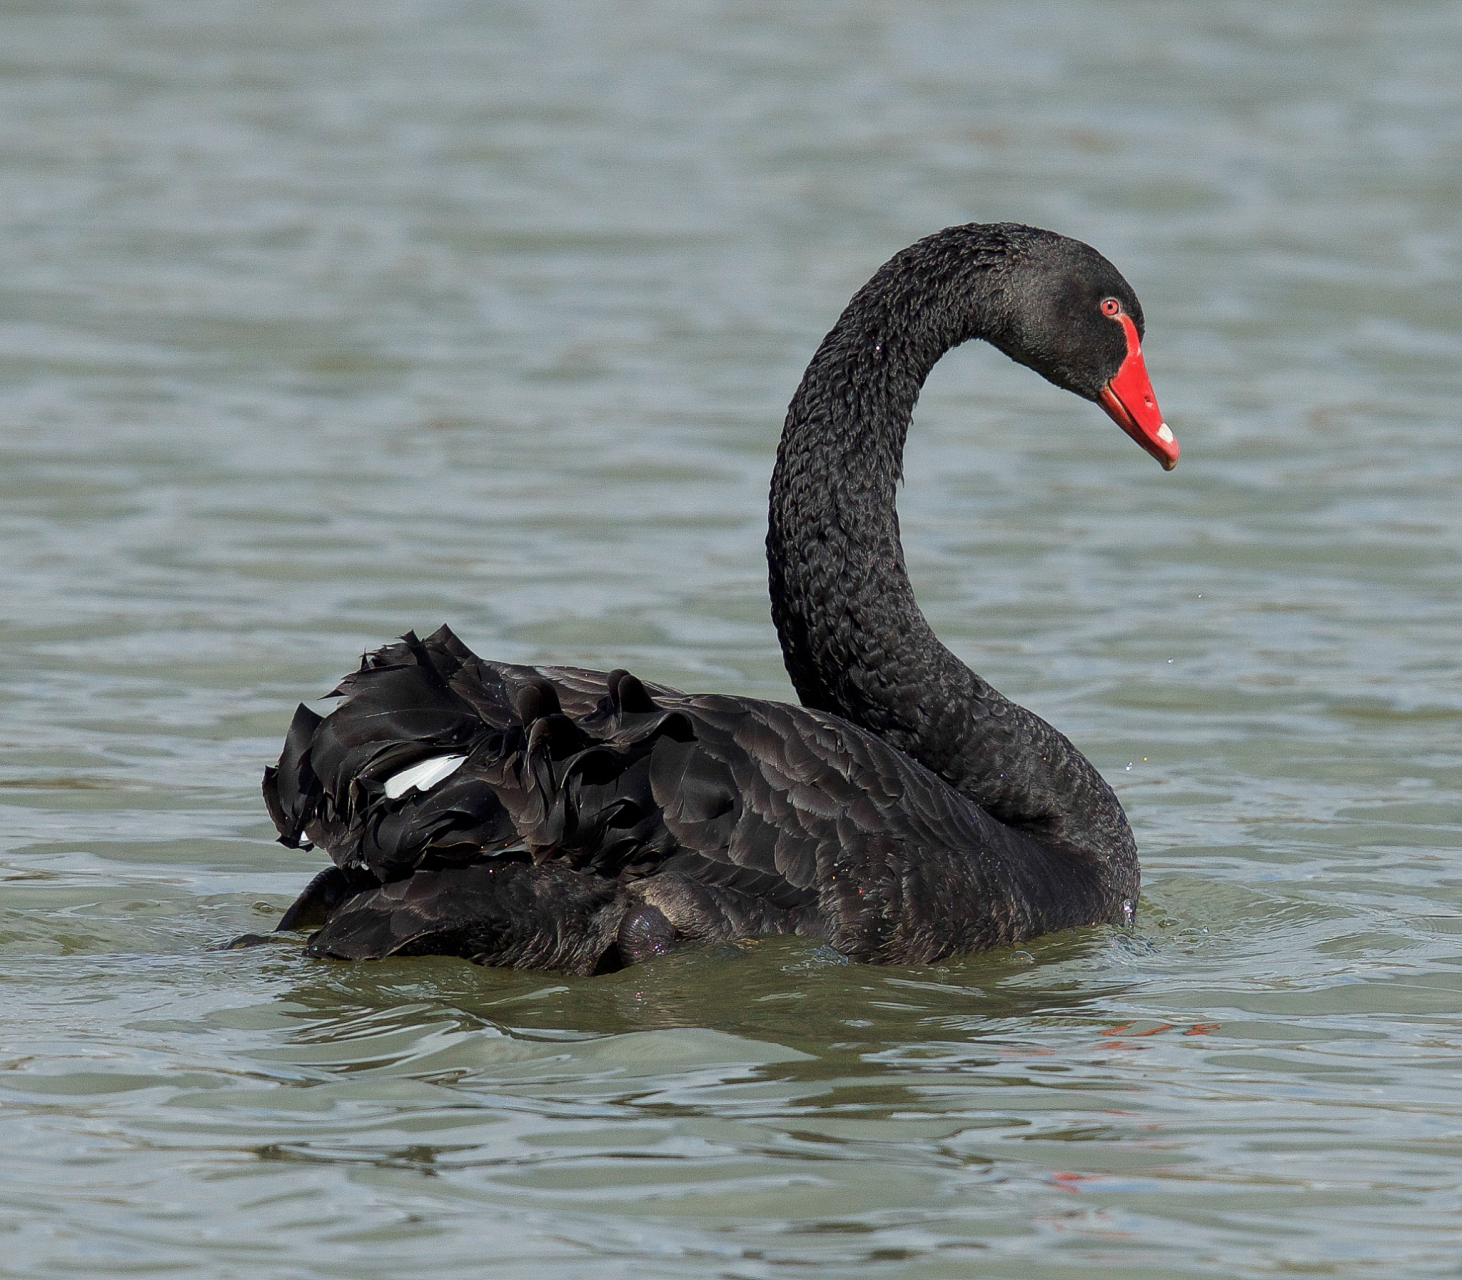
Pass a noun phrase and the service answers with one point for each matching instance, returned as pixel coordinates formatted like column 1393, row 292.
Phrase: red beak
column 1130, row 403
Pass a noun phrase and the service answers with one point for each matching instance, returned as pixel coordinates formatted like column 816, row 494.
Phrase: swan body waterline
column 550, row 817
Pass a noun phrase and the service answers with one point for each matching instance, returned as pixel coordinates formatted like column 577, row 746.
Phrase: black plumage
column 586, row 820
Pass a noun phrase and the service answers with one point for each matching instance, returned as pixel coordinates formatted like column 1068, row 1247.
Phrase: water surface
column 318, row 322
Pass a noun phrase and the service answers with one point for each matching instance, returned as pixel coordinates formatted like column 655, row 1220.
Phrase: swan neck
column 853, row 638
column 841, row 598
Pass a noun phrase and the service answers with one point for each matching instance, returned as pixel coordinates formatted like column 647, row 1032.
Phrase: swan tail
column 521, row 915
column 507, row 914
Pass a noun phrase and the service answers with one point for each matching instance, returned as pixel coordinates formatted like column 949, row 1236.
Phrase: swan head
column 1065, row 311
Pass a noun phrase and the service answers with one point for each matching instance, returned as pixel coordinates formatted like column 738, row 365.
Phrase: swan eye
column 1111, row 307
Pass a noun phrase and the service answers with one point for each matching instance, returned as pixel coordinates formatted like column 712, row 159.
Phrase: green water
column 321, row 321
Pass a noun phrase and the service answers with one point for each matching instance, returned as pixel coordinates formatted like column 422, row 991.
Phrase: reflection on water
column 788, row 991
column 321, row 322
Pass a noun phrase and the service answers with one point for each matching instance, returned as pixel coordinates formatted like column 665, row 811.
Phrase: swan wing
column 529, row 816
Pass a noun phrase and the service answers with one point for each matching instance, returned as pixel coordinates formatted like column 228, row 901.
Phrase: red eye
column 1111, row 307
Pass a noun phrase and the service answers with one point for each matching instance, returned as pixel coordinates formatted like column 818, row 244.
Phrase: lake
column 323, row 321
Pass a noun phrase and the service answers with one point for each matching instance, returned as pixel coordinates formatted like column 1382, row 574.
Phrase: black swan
column 556, row 818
